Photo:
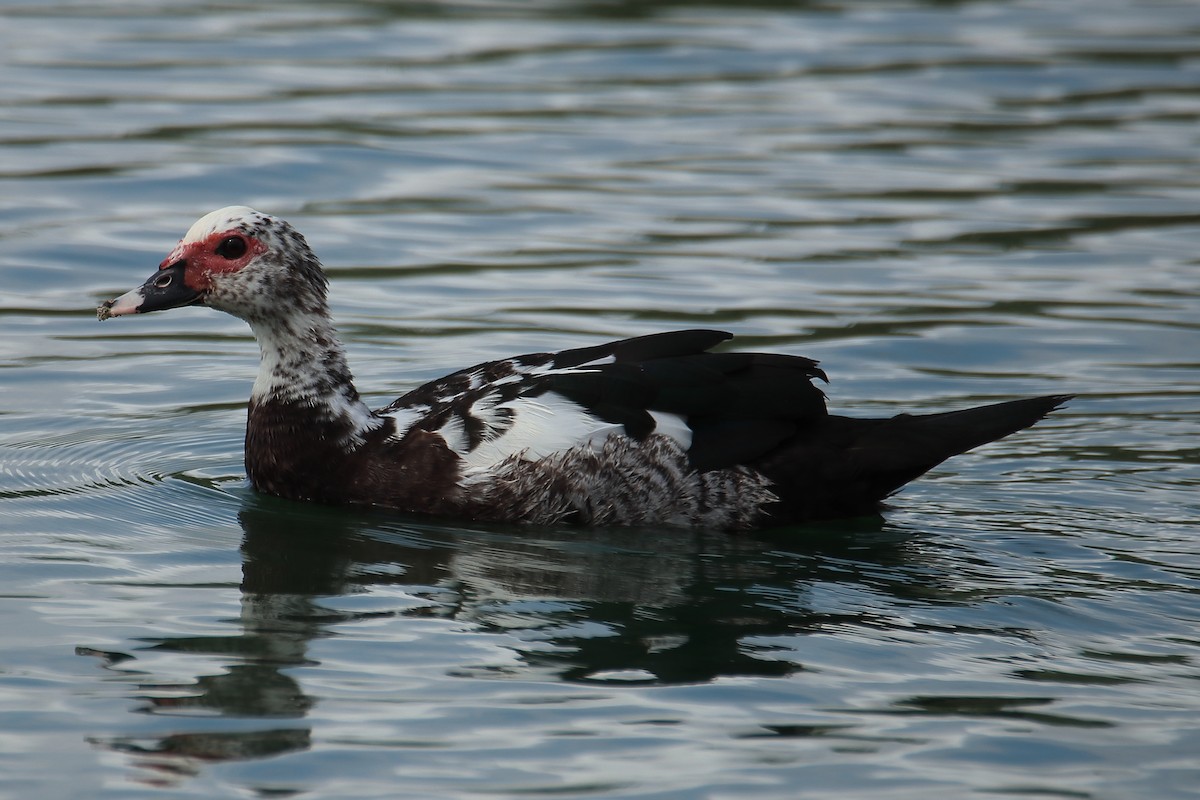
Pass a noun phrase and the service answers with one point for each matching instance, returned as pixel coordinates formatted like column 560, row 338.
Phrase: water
column 946, row 203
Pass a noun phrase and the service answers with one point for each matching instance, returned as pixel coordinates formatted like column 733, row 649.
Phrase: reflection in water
column 615, row 606
column 179, row 755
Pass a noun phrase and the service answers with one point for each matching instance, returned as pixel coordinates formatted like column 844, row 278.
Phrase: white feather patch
column 540, row 427
column 405, row 418
column 672, row 425
column 455, row 434
column 490, row 411
column 221, row 220
column 595, row 362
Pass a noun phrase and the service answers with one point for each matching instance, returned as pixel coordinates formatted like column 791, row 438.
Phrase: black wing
column 740, row 406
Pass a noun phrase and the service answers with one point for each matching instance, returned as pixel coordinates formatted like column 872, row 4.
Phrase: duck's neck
column 306, row 425
column 303, row 367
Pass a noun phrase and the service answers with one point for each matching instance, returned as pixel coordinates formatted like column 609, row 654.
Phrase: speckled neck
column 304, row 364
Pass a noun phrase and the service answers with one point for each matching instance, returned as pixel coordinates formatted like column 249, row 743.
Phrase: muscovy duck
column 653, row 430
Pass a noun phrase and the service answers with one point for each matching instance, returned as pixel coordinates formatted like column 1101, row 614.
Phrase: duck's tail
column 848, row 466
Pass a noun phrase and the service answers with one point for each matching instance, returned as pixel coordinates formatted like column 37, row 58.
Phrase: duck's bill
column 164, row 289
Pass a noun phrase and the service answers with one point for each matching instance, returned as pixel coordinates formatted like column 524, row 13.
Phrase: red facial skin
column 203, row 261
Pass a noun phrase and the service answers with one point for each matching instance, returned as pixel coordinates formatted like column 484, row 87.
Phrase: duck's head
column 237, row 260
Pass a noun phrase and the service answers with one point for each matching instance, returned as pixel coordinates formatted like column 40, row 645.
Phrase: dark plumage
column 651, row 430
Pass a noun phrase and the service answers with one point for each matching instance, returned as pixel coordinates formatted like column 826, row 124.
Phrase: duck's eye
column 232, row 247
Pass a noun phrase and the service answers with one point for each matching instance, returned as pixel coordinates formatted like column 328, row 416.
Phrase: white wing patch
column 491, row 411
column 674, row 426
column 455, row 434
column 595, row 362
column 500, row 423
column 405, row 418
column 540, row 427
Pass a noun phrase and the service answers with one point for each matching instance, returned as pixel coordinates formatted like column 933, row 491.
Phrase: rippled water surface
column 946, row 203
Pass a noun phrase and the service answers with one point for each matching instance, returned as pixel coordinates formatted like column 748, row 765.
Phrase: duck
column 654, row 430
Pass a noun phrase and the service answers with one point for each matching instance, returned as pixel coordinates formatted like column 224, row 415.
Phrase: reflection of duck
column 646, row 431
column 598, row 605
column 650, row 604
